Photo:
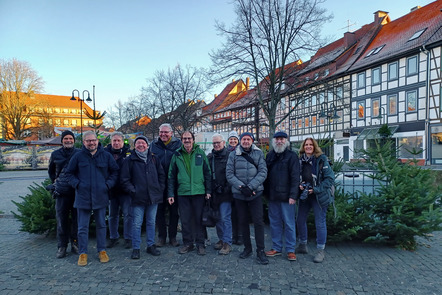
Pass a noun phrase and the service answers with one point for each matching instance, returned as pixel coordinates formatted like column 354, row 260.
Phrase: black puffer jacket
column 165, row 152
column 221, row 189
column 145, row 182
column 119, row 157
column 56, row 170
column 283, row 176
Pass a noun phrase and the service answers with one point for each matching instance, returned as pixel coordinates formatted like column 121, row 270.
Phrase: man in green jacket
column 189, row 176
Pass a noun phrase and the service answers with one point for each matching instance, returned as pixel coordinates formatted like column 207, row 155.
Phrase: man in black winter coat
column 164, row 148
column 282, row 186
column 221, row 194
column 64, row 195
column 119, row 199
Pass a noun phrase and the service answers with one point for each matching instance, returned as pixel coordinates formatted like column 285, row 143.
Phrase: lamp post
column 330, row 114
column 381, row 115
column 81, row 105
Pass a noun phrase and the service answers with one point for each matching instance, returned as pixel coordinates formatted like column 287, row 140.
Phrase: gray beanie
column 142, row 137
column 233, row 134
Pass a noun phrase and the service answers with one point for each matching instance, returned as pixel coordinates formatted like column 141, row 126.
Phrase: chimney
column 379, row 17
column 247, row 83
column 349, row 39
column 216, row 95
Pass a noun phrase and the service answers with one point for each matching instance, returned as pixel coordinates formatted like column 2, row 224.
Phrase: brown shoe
column 218, row 245
column 291, row 256
column 82, row 260
column 225, row 249
column 173, row 242
column 272, row 253
column 103, row 257
column 201, row 251
column 186, row 248
column 160, row 243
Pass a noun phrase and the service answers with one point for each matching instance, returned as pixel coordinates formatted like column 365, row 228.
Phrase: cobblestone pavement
column 28, row 266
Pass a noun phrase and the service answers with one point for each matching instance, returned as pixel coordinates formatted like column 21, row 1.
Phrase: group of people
column 174, row 178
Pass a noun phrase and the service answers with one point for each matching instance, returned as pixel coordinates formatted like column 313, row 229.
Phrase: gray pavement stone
column 28, row 266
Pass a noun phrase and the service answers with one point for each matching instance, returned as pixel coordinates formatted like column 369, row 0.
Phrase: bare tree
column 18, row 83
column 174, row 95
column 264, row 43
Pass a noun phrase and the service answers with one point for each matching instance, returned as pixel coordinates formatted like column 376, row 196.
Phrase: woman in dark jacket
column 143, row 177
column 317, row 178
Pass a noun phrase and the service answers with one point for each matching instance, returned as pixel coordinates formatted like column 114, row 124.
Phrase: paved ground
column 28, row 266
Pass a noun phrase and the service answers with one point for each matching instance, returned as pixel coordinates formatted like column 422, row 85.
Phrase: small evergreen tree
column 406, row 204
column 37, row 210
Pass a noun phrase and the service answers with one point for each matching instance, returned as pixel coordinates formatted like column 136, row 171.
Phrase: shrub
column 406, row 204
column 37, row 210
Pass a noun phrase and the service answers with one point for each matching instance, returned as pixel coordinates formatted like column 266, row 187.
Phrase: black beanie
column 67, row 132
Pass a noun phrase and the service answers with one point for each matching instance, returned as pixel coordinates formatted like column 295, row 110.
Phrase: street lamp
column 81, row 105
column 381, row 115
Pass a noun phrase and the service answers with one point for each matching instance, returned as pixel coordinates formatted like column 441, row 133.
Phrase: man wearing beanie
column 246, row 172
column 142, row 176
column 92, row 172
column 64, row 195
column 118, row 198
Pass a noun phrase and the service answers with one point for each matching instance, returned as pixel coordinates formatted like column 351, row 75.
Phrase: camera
column 304, row 194
column 219, row 189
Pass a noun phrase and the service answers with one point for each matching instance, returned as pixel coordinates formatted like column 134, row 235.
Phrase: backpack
column 332, row 189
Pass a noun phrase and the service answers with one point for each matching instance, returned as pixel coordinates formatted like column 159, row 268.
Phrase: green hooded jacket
column 189, row 176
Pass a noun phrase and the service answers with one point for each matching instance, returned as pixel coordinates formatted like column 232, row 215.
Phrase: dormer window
column 326, row 72
column 417, row 34
column 316, row 76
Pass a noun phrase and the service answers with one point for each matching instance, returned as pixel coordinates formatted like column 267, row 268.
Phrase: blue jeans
column 282, row 221
column 224, row 225
column 116, row 203
column 320, row 221
column 138, row 213
column 83, row 217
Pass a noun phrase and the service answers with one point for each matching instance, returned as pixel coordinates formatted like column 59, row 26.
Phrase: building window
column 329, row 95
column 361, row 80
column 321, row 97
column 306, row 122
column 375, row 105
column 361, row 110
column 412, row 65
column 57, row 122
column 339, row 92
column 411, row 147
column 299, row 123
column 314, row 100
column 313, row 120
column 417, row 34
column 65, row 122
column 74, row 123
column 376, row 76
column 392, row 71
column 392, row 104
column 411, row 101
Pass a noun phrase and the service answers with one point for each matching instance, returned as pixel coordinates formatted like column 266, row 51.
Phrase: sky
column 117, row 45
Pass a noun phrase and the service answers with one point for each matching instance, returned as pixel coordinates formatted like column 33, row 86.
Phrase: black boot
column 261, row 257
column 135, row 254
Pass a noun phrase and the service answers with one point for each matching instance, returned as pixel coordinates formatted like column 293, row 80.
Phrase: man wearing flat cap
column 246, row 172
column 281, row 188
column 64, row 195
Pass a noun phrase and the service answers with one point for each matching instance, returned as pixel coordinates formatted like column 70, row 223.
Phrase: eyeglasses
column 216, row 142
column 91, row 140
column 164, row 132
column 187, row 138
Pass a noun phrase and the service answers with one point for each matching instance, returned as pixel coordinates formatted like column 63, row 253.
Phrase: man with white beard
column 282, row 191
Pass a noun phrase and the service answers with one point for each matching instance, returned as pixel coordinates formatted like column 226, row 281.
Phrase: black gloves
column 246, row 191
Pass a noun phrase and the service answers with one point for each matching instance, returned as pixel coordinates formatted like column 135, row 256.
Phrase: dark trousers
column 161, row 222
column 191, row 210
column 66, row 220
column 236, row 233
column 253, row 206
